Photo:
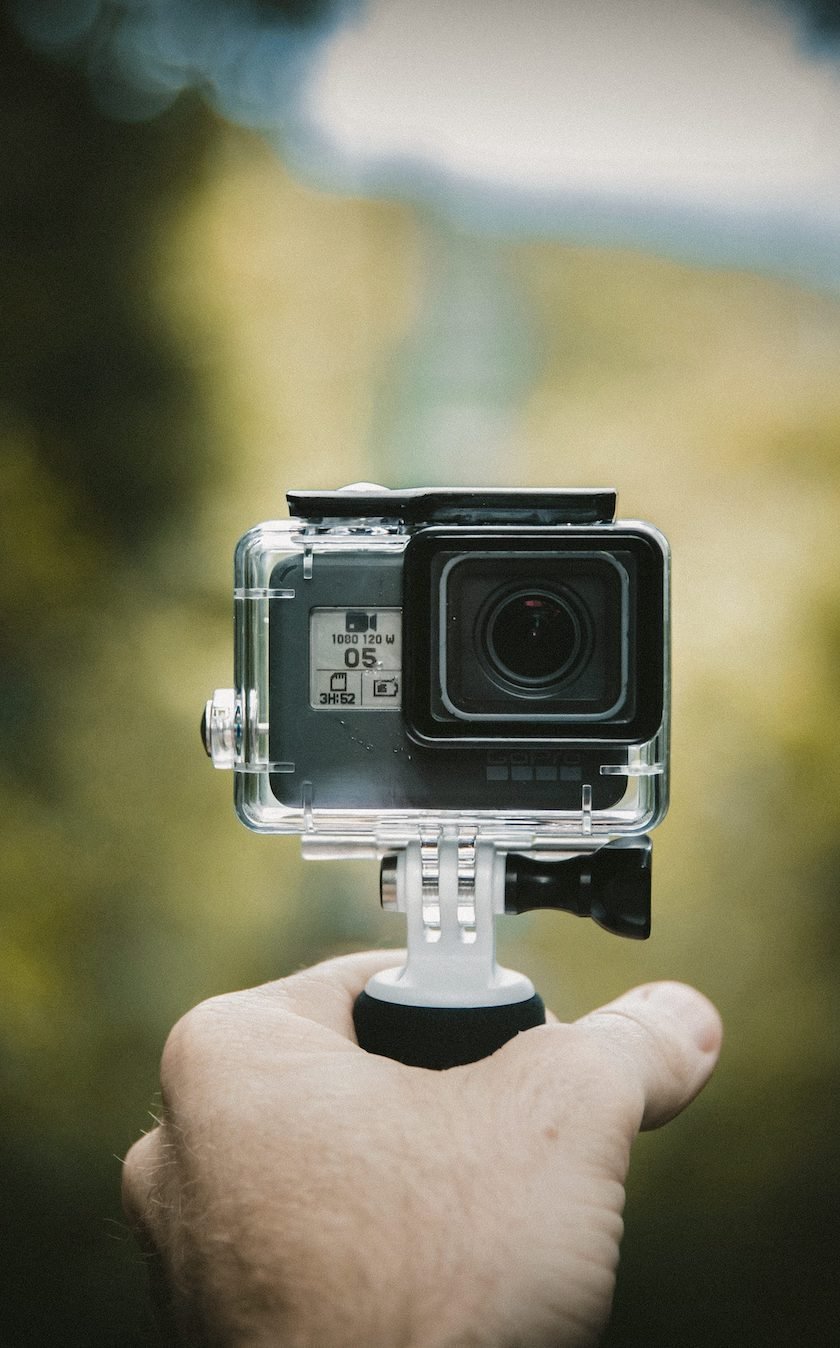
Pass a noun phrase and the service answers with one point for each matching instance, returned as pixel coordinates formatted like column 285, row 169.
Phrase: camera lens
column 533, row 637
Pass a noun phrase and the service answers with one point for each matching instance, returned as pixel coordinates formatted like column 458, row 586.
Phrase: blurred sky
column 706, row 129
column 639, row 112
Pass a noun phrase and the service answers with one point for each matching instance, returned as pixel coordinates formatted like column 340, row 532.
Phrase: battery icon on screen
column 385, row 688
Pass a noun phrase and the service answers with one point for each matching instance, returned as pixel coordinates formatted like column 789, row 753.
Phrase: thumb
column 664, row 1037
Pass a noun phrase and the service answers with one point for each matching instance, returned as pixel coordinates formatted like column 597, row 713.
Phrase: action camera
column 411, row 660
column 473, row 687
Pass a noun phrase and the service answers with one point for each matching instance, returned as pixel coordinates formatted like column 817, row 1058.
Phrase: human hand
column 303, row 1193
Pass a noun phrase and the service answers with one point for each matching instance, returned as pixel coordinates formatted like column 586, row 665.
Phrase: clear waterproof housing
column 483, row 663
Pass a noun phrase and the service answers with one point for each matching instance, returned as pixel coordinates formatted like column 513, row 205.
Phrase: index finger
column 325, row 993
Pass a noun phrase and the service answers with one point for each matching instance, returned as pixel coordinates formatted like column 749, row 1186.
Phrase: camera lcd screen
column 355, row 658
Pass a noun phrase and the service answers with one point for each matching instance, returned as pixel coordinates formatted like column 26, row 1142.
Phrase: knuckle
column 666, row 1054
column 657, row 1066
column 190, row 1043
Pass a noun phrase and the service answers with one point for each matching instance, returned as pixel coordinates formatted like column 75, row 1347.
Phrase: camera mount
column 451, row 1003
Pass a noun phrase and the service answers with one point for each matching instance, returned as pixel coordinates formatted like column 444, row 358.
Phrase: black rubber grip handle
column 440, row 1036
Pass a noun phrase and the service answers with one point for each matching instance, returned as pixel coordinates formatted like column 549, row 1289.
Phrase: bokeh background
column 189, row 329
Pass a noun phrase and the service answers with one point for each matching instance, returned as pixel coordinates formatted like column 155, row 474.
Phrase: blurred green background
column 187, row 332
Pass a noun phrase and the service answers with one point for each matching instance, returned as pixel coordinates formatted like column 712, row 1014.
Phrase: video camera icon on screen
column 356, row 620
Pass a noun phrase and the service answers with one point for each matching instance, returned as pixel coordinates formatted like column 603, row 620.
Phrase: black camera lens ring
column 500, row 608
column 439, row 714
